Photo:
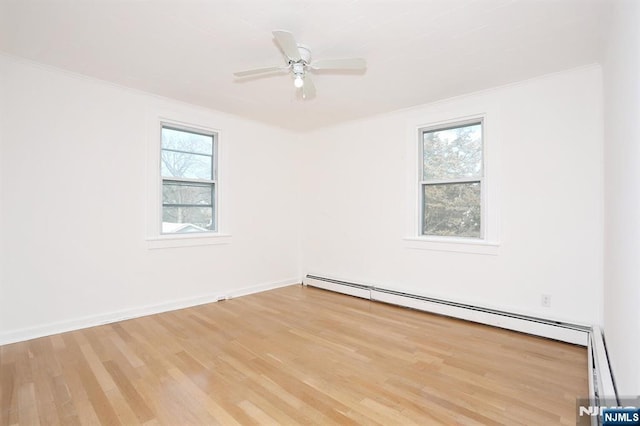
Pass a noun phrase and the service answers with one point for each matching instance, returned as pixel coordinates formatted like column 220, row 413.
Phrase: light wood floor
column 294, row 355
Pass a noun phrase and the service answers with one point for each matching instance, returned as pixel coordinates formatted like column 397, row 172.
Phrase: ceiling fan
column 298, row 63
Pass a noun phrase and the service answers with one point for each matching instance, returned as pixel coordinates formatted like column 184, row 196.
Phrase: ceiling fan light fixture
column 299, row 64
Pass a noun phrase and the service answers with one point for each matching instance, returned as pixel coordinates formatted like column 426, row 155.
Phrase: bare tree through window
column 451, row 180
column 188, row 180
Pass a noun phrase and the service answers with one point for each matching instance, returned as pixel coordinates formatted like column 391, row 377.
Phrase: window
column 188, row 173
column 451, row 180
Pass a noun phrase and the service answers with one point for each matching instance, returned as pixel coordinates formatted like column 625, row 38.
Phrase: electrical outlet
column 546, row 300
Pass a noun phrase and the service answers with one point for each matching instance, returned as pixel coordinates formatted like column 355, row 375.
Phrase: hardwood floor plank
column 97, row 368
column 28, row 405
column 93, row 390
column 7, row 393
column 131, row 395
column 63, row 403
column 293, row 355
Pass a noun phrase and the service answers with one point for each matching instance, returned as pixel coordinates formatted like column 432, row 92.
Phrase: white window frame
column 213, row 181
column 423, row 183
column 201, row 123
column 441, row 115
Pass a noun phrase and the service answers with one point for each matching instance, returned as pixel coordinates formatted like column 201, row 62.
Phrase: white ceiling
column 417, row 51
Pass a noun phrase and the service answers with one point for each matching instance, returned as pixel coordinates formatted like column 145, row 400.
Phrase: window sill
column 187, row 240
column 460, row 245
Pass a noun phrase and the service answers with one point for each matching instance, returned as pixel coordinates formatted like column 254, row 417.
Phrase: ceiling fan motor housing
column 297, row 68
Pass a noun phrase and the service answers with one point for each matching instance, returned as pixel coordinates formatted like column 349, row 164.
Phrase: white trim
column 548, row 327
column 602, row 390
column 213, row 182
column 141, row 311
column 194, row 120
column 522, row 325
column 187, row 240
column 466, row 245
column 245, row 291
column 452, row 124
column 362, row 293
column 591, row 373
column 604, row 385
column 440, row 115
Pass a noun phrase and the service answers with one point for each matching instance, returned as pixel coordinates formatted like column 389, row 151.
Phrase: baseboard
column 141, row 311
column 245, row 291
column 549, row 328
column 602, row 389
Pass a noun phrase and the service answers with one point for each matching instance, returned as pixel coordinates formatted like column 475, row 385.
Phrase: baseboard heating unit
column 566, row 332
column 601, row 384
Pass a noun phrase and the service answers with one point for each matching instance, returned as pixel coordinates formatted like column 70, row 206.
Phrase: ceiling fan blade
column 309, row 89
column 340, row 64
column 288, row 44
column 258, row 71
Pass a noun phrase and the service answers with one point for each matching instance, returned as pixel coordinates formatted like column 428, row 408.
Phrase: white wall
column 2, row 96
column 73, row 194
column 73, row 191
column 546, row 163
column 621, row 72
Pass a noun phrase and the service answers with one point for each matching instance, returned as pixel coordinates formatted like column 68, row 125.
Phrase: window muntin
column 451, row 180
column 188, row 172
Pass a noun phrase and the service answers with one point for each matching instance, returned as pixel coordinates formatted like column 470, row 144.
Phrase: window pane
column 180, row 220
column 183, row 140
column 187, row 193
column 452, row 209
column 452, row 153
column 191, row 166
